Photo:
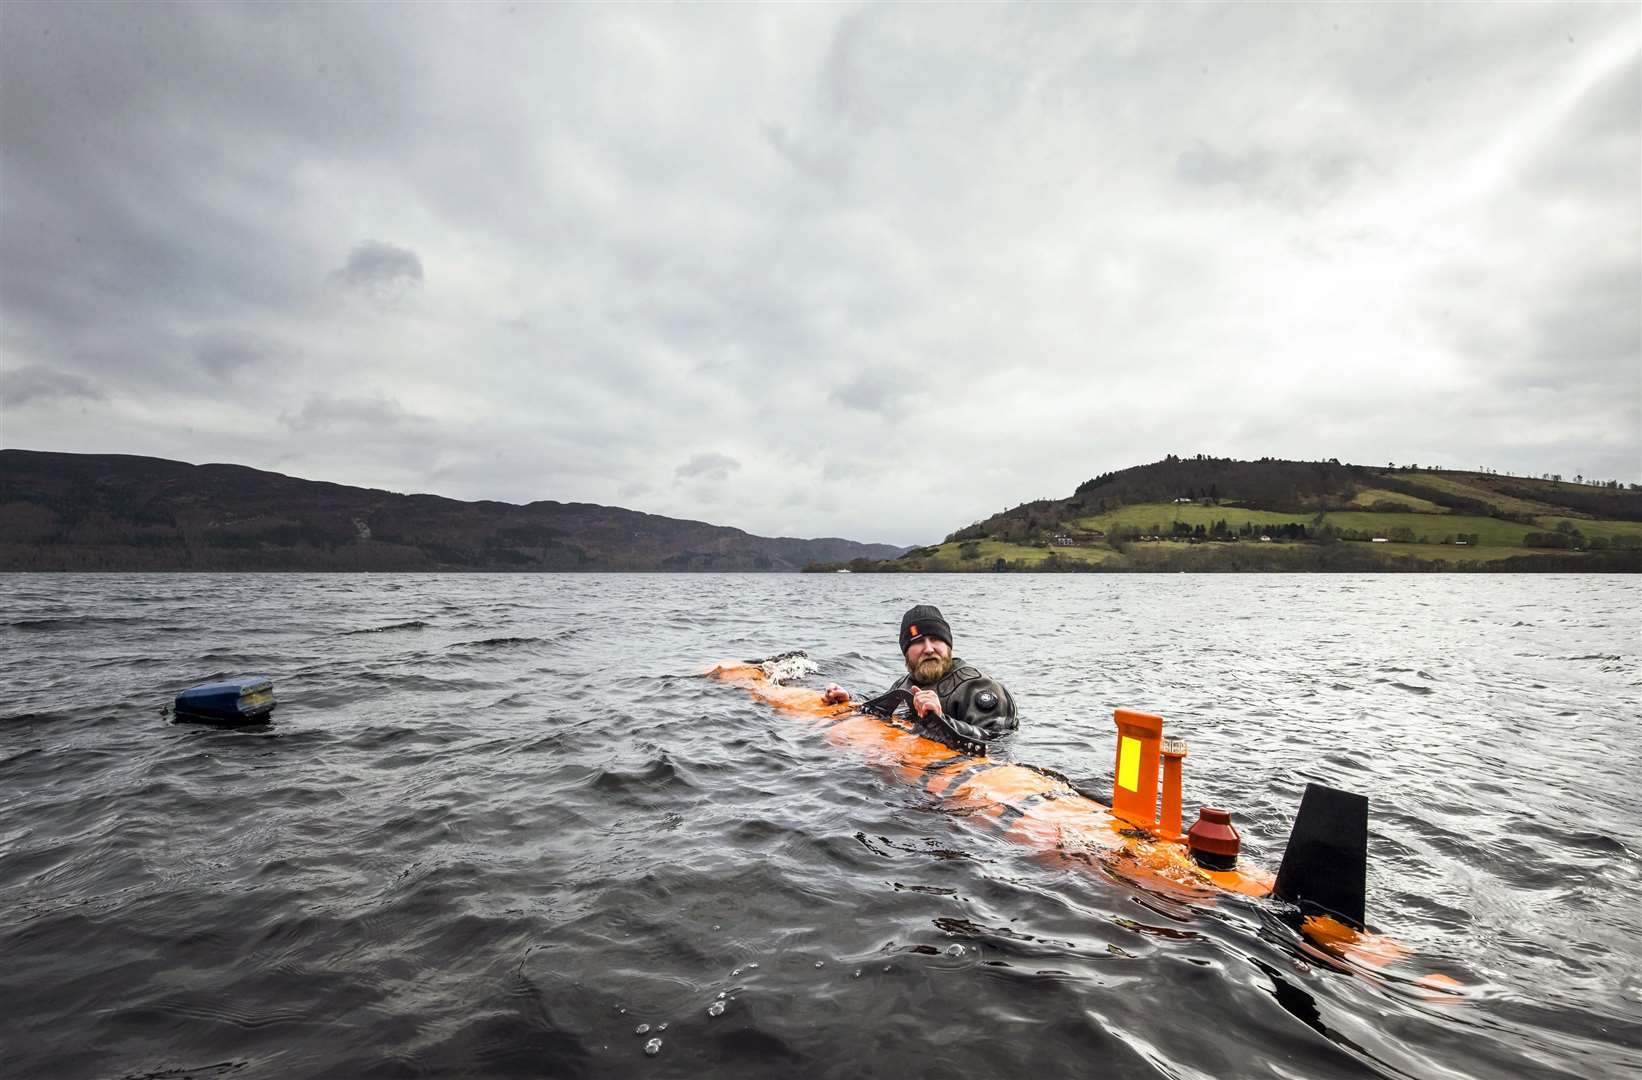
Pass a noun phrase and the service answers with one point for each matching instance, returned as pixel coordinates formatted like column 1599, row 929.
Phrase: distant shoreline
column 1627, row 562
column 111, row 513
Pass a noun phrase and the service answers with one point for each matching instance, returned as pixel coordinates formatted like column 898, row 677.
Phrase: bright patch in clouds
column 868, row 271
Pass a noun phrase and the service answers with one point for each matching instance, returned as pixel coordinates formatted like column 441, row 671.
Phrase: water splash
column 789, row 667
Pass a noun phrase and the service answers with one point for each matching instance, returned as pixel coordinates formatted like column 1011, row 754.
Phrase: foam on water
column 789, row 667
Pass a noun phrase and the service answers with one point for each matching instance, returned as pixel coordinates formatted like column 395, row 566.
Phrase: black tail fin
column 1325, row 868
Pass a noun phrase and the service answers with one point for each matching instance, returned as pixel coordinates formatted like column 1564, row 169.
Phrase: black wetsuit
column 980, row 707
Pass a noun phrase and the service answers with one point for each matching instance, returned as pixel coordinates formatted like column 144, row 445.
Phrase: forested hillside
column 1211, row 513
column 114, row 512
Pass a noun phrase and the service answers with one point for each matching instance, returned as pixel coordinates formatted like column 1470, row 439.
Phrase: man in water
column 942, row 684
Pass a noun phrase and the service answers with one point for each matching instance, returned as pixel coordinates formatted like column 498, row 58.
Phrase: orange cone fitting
column 1134, row 780
column 1214, row 841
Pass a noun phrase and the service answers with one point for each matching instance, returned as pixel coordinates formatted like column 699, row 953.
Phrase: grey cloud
column 1296, row 180
column 225, row 354
column 890, row 68
column 839, row 93
column 708, row 466
column 36, row 382
column 843, row 469
column 1209, row 166
column 1588, row 332
column 818, row 164
column 126, row 192
column 1593, row 154
column 876, row 390
column 381, row 270
column 325, row 412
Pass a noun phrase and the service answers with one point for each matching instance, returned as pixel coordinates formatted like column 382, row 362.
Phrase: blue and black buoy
column 230, row 703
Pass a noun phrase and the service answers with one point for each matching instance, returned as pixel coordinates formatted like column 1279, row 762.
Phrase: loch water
column 500, row 826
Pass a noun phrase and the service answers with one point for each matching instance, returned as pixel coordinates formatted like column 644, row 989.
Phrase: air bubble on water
column 661, row 1027
column 954, row 950
column 818, row 963
column 857, row 973
column 642, row 1029
column 734, row 973
column 722, row 994
column 717, row 927
column 752, row 965
column 652, row 1048
column 716, row 1009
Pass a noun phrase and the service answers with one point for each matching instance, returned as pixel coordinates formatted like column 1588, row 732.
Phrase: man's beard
column 928, row 671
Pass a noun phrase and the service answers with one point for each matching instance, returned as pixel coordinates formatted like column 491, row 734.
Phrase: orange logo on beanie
column 912, row 631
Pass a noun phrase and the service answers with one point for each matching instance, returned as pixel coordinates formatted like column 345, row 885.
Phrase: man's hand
column 925, row 702
column 835, row 694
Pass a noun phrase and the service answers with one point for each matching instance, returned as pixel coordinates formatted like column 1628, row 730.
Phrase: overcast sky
column 870, row 271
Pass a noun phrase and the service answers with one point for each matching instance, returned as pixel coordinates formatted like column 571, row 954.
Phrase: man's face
column 928, row 659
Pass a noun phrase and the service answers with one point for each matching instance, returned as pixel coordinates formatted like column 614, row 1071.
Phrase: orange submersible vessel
column 1139, row 837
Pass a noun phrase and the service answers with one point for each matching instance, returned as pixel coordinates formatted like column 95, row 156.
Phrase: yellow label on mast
column 1128, row 763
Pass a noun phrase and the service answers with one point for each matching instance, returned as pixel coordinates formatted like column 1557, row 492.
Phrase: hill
column 115, row 512
column 1207, row 513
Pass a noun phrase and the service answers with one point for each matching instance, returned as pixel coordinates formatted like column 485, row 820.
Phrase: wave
column 412, row 624
column 74, row 622
column 499, row 642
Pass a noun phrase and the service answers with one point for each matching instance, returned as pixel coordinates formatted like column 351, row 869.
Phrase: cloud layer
column 873, row 271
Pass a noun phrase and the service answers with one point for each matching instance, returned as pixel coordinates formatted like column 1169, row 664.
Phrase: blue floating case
column 247, row 700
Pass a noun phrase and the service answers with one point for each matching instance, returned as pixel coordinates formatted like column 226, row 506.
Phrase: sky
column 870, row 271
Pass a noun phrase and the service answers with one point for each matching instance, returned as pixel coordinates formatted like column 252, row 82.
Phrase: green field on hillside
column 1610, row 529
column 1489, row 531
column 1480, row 553
column 1158, row 518
column 1369, row 496
column 1450, row 486
column 990, row 551
column 1207, row 549
column 1557, row 487
column 1171, row 554
column 1144, row 516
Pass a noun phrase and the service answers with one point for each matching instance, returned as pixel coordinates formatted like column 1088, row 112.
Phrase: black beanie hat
column 925, row 620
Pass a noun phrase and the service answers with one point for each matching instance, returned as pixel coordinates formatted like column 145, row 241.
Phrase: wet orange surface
column 1032, row 807
column 1042, row 811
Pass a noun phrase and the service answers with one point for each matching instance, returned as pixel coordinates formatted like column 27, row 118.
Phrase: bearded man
column 941, row 683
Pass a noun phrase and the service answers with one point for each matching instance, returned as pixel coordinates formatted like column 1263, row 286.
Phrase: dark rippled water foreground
column 498, row 828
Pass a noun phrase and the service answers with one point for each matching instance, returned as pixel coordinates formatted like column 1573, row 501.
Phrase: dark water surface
column 498, row 826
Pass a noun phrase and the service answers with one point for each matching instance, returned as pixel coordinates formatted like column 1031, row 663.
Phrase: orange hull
column 1046, row 813
column 1029, row 806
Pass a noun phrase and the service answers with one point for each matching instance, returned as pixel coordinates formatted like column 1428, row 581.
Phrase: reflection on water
column 499, row 828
